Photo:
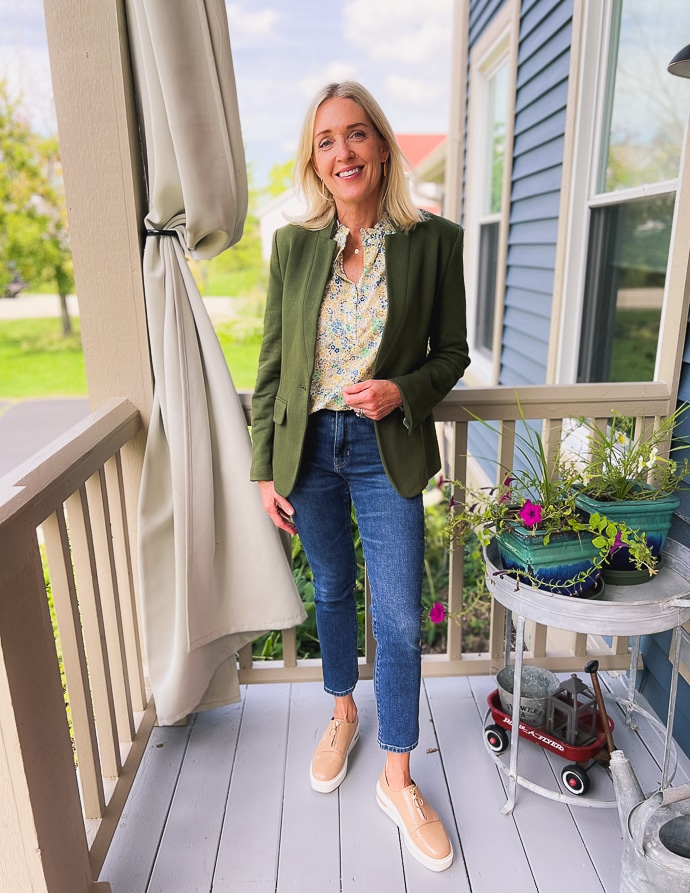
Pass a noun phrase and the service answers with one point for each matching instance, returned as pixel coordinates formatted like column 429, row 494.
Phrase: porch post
column 101, row 161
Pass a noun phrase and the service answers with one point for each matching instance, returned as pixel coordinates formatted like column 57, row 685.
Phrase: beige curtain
column 213, row 570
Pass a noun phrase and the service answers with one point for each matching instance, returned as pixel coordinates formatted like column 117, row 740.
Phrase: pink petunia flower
column 437, row 614
column 617, row 543
column 530, row 514
column 506, row 496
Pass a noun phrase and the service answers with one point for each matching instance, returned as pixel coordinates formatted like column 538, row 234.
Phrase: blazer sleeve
column 447, row 354
column 268, row 375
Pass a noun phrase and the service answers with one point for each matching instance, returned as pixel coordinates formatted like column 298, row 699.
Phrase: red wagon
column 574, row 776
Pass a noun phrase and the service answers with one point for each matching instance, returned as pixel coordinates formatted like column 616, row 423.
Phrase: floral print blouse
column 351, row 321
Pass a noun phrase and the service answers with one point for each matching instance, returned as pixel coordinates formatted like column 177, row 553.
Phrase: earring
column 385, row 168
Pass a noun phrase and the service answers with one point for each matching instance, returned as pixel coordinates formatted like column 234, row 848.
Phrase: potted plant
column 543, row 536
column 628, row 478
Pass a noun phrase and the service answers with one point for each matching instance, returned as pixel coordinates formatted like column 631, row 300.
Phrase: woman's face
column 348, row 154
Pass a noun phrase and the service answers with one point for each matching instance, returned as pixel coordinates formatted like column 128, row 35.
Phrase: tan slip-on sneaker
column 421, row 828
column 329, row 763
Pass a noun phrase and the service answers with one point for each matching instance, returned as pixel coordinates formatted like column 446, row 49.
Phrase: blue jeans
column 341, row 466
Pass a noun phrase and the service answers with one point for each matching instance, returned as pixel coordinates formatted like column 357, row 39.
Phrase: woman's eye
column 324, row 144
column 358, row 135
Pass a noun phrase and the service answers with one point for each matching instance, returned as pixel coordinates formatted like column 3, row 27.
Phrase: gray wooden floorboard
column 477, row 791
column 231, row 790
column 133, row 851
column 249, row 843
column 189, row 846
column 310, row 834
column 428, row 771
column 370, row 842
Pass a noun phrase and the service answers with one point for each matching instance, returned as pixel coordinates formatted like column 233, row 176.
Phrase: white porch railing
column 56, row 823
column 553, row 649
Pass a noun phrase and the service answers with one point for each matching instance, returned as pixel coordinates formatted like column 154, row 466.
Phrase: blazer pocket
column 279, row 411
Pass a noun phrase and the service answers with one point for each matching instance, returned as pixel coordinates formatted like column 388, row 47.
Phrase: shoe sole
column 325, row 787
column 412, row 849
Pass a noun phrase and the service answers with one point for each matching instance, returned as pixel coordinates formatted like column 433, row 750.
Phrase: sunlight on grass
column 36, row 361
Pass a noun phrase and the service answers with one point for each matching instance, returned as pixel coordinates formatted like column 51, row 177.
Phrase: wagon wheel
column 497, row 738
column 575, row 779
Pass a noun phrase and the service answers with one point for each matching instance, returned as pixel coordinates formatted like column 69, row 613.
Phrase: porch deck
column 225, row 804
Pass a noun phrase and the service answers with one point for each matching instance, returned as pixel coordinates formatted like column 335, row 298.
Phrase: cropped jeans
column 341, row 466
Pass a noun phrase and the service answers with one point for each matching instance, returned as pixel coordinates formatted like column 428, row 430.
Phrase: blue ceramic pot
column 548, row 566
column 649, row 516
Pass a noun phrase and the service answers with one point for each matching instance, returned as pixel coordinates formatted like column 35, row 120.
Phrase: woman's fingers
column 277, row 507
column 375, row 399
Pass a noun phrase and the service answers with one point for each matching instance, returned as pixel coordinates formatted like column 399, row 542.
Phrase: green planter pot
column 548, row 566
column 649, row 516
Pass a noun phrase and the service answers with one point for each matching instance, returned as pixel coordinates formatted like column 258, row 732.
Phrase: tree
column 279, row 179
column 34, row 240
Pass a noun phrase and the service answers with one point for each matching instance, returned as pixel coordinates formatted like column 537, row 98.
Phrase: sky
column 283, row 52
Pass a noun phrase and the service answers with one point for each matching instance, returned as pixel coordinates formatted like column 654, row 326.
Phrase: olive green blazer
column 423, row 348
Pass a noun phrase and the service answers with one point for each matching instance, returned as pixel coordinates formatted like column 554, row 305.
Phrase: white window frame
column 584, row 140
column 497, row 45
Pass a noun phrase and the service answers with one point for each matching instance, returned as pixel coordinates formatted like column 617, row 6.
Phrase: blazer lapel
column 315, row 286
column 397, row 248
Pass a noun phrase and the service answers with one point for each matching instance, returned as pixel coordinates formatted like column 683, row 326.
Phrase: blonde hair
column 394, row 199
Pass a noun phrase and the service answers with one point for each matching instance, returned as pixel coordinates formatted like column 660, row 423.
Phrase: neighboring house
column 425, row 154
column 562, row 163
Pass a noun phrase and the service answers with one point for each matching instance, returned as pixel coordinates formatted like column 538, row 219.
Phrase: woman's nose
column 344, row 149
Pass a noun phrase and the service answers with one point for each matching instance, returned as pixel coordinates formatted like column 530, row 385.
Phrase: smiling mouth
column 350, row 172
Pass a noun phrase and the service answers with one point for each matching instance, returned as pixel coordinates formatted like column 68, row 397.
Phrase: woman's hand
column 374, row 399
column 277, row 507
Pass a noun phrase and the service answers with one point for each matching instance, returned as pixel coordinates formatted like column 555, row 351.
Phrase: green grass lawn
column 36, row 361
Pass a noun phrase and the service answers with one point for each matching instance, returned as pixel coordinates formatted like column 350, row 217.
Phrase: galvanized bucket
column 538, row 684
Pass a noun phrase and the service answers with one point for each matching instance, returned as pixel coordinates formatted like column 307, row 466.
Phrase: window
column 642, row 112
column 492, row 203
column 487, row 182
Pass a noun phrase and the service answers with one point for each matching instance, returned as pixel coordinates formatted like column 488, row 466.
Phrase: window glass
column 624, row 289
column 488, row 264
column 492, row 202
column 498, row 106
column 647, row 107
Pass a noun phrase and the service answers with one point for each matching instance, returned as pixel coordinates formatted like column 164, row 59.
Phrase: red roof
column 416, row 146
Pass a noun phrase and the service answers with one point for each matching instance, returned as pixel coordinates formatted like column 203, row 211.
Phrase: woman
column 364, row 334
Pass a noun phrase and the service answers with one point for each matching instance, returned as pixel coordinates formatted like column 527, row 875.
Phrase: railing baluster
column 101, row 530
column 125, row 579
column 74, row 662
column 289, row 647
column 369, row 640
column 88, row 590
column 580, row 646
column 456, row 569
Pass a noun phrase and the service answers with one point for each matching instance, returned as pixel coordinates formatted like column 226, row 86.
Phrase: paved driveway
column 28, row 426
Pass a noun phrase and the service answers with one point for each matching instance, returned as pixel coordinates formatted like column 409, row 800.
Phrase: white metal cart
column 661, row 604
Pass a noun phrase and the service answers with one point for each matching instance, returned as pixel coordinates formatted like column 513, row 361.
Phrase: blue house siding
column 540, row 103
column 481, row 13
column 655, row 683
